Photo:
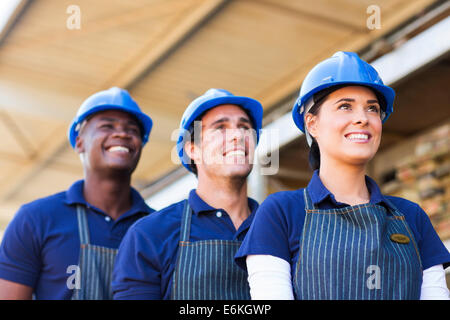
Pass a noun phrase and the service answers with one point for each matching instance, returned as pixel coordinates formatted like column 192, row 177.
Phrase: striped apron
column 95, row 264
column 205, row 270
column 357, row 252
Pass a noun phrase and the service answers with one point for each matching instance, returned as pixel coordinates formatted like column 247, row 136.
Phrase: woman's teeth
column 357, row 136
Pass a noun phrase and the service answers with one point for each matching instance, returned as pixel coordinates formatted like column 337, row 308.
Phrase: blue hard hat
column 343, row 68
column 210, row 99
column 112, row 99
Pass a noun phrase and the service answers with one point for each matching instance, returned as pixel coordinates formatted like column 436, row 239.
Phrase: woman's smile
column 358, row 137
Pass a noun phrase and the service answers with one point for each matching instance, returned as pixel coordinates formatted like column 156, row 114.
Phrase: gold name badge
column 399, row 238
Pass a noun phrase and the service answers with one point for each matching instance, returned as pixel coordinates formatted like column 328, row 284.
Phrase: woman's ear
column 311, row 124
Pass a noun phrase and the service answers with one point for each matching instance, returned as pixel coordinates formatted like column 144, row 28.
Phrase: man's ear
column 311, row 124
column 79, row 144
column 190, row 150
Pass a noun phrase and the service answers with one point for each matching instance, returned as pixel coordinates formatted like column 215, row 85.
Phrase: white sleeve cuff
column 269, row 278
column 434, row 286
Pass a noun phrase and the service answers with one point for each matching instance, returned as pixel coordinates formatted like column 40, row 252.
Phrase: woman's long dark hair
column 314, row 155
column 314, row 151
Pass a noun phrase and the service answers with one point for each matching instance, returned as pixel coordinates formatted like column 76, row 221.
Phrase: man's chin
column 120, row 168
column 237, row 171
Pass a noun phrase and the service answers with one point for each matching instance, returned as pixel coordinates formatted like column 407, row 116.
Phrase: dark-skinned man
column 63, row 246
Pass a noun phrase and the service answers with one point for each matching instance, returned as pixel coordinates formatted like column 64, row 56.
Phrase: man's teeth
column 358, row 136
column 119, row 149
column 236, row 153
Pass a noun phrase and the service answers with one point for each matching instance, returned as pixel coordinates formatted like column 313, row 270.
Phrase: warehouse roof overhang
column 165, row 52
column 421, row 82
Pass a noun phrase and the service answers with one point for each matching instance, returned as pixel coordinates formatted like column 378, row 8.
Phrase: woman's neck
column 346, row 182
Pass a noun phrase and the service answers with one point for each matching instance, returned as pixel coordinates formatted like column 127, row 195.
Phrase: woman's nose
column 360, row 117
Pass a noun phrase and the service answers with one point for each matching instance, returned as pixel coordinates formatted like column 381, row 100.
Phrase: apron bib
column 95, row 264
column 358, row 252
column 205, row 270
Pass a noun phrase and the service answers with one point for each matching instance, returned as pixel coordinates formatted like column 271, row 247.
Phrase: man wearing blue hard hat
column 185, row 251
column 63, row 246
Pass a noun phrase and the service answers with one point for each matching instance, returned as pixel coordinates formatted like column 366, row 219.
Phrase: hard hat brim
column 387, row 92
column 253, row 107
column 145, row 121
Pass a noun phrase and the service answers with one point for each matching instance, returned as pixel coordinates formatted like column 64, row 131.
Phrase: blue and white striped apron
column 205, row 269
column 357, row 252
column 95, row 264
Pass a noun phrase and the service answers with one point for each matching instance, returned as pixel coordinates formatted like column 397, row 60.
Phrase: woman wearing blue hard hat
column 340, row 238
column 186, row 250
column 63, row 246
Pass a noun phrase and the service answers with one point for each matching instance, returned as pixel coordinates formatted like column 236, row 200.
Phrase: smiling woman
column 347, row 125
column 340, row 238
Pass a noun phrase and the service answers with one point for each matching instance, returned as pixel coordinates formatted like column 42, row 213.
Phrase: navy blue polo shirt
column 278, row 224
column 147, row 256
column 42, row 241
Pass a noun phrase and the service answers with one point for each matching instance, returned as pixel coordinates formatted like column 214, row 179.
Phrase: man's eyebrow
column 106, row 119
column 226, row 119
column 109, row 119
column 221, row 120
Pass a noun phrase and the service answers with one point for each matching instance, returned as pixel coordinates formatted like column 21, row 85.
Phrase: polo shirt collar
column 199, row 206
column 74, row 195
column 319, row 193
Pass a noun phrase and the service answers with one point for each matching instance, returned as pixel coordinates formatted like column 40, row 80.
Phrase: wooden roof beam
column 290, row 84
column 174, row 35
column 56, row 144
column 151, row 11
column 126, row 76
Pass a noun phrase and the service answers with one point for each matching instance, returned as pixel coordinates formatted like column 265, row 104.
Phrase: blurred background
column 55, row 53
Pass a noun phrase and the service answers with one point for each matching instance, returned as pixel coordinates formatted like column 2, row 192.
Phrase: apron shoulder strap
column 393, row 209
column 83, row 228
column 185, row 222
column 309, row 205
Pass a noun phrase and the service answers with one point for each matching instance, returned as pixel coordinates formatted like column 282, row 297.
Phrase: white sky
column 7, row 8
